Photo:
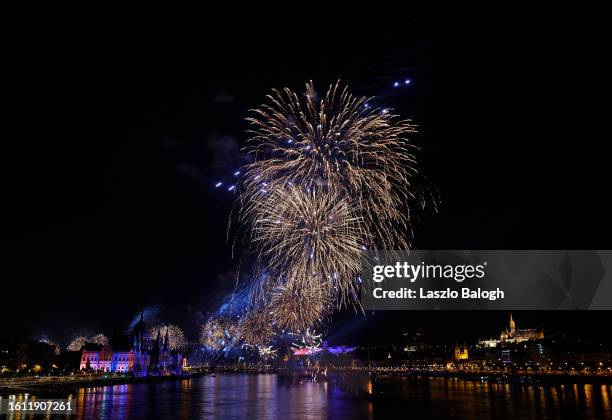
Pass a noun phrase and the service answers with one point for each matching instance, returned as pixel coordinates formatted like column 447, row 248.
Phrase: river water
column 270, row 396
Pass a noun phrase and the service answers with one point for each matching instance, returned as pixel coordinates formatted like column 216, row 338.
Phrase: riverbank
column 506, row 377
column 62, row 385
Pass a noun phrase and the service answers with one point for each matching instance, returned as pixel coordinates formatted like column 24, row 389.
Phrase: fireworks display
column 176, row 337
column 256, row 328
column 98, row 339
column 312, row 235
column 337, row 144
column 332, row 176
column 308, row 344
column 79, row 341
column 219, row 333
column 267, row 353
column 297, row 305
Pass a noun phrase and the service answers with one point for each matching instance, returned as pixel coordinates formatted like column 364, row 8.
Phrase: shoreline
column 51, row 387
column 533, row 378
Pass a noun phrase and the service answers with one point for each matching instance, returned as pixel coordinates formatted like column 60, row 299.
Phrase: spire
column 158, row 341
column 166, row 339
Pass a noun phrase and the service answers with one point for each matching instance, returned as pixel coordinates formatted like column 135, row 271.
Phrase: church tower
column 461, row 352
column 512, row 325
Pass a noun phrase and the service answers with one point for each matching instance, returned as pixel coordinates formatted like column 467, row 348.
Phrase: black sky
column 113, row 140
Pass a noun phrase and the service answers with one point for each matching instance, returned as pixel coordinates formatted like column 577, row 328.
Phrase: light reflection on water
column 238, row 396
column 232, row 396
column 448, row 398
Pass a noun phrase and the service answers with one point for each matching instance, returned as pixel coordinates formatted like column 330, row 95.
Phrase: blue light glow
column 218, row 184
column 340, row 349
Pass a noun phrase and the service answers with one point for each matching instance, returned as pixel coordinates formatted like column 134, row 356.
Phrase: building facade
column 96, row 357
column 123, row 361
column 143, row 356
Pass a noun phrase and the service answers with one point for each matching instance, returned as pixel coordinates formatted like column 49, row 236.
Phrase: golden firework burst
column 256, row 328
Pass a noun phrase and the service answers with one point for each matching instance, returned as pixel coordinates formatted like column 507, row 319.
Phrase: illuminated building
column 506, row 356
column 100, row 358
column 526, row 354
column 512, row 335
column 461, row 352
column 96, row 357
column 488, row 343
column 154, row 357
column 123, row 361
column 141, row 356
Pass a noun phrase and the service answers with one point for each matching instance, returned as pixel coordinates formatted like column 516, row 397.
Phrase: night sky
column 114, row 137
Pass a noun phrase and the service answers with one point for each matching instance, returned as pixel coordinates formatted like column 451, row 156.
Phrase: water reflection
column 223, row 397
column 229, row 396
column 443, row 397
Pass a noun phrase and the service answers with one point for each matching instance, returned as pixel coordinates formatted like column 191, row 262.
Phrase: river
column 270, row 396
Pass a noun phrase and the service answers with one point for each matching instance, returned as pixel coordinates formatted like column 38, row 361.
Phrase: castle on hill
column 512, row 335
